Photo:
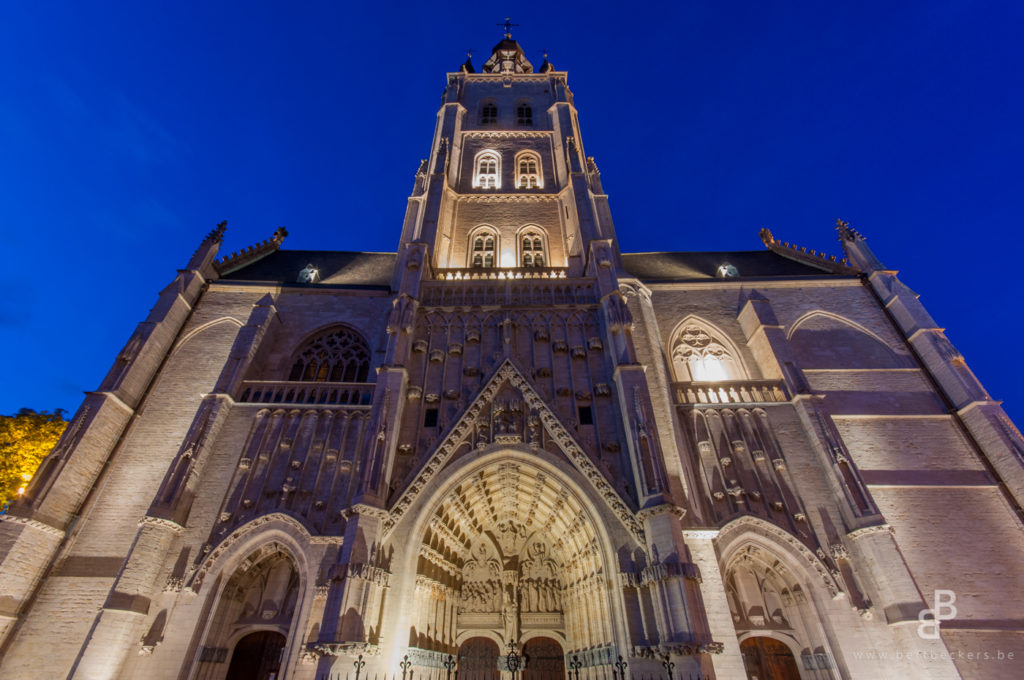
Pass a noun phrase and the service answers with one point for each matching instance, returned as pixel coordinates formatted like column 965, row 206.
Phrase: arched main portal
column 545, row 659
column 511, row 552
column 257, row 656
column 766, row 658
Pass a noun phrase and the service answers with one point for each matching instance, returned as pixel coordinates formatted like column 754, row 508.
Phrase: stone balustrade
column 296, row 392
column 730, row 392
column 500, row 274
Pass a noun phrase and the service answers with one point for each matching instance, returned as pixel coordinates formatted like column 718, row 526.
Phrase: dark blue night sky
column 128, row 130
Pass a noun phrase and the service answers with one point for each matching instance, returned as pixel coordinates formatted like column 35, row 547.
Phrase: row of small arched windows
column 489, row 114
column 487, row 170
column 483, row 253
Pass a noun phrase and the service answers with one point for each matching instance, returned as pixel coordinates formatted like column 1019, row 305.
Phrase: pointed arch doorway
column 257, row 656
column 545, row 659
column 510, row 552
column 766, row 658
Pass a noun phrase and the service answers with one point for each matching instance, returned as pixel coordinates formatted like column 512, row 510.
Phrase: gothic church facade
column 511, row 437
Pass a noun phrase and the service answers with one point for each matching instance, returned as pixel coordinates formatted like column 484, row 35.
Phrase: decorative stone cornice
column 506, row 198
column 35, row 524
column 161, row 523
column 869, row 531
column 368, row 510
column 318, row 649
column 663, row 509
column 700, row 534
column 507, row 134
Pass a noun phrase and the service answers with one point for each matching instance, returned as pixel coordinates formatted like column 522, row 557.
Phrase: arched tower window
column 524, row 114
column 533, row 252
column 483, row 248
column 699, row 357
column 487, row 170
column 528, row 172
column 488, row 113
column 340, row 355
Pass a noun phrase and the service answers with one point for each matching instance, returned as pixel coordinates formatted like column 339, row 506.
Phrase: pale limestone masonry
column 748, row 464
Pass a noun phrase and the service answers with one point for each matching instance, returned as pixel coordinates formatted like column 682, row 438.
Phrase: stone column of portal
column 120, row 622
column 728, row 662
column 892, row 587
column 671, row 579
column 357, row 584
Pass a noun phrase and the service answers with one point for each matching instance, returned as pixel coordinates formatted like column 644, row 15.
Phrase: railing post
column 575, row 665
column 669, row 666
column 620, row 665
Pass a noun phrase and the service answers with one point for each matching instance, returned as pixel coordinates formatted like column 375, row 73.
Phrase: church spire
column 507, row 56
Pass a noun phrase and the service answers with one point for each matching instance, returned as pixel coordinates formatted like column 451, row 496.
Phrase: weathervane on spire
column 508, row 27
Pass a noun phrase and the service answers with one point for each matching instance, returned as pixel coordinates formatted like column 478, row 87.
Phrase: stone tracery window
column 532, row 249
column 528, row 172
column 699, row 357
column 340, row 355
column 483, row 247
column 487, row 170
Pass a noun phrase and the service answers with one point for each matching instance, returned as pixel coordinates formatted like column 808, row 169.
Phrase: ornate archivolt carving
column 195, row 580
column 464, row 428
column 781, row 537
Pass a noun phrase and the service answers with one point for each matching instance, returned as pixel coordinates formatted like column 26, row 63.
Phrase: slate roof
column 374, row 269
column 686, row 265
column 336, row 267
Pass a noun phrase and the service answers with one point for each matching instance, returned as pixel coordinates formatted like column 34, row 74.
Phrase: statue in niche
column 507, row 416
column 510, row 615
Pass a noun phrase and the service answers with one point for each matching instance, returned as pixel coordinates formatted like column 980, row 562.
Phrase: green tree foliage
column 25, row 439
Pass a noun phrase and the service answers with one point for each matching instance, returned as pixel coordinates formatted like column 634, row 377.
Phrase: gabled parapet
column 829, row 263
column 247, row 256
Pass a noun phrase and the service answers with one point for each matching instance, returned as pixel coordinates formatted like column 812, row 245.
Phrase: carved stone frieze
column 35, row 524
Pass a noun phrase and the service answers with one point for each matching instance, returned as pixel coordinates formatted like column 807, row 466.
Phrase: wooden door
column 544, row 660
column 257, row 657
column 478, row 659
column 766, row 658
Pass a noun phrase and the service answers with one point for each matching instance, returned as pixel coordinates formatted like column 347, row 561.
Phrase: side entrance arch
column 257, row 656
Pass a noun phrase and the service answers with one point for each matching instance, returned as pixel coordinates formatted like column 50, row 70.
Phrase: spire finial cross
column 508, row 27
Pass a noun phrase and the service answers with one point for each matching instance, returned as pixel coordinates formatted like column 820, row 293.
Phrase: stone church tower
column 508, row 437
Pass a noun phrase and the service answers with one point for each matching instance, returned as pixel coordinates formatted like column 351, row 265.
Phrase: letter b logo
column 943, row 609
